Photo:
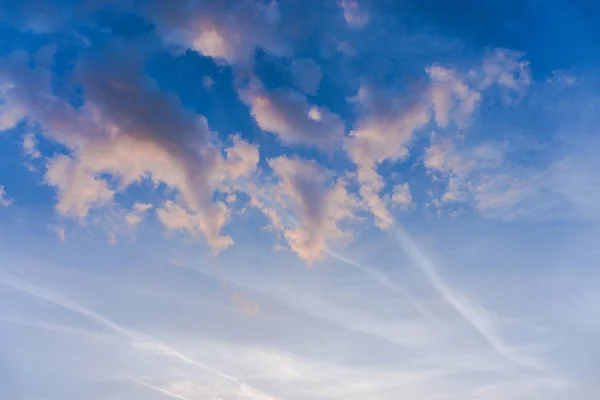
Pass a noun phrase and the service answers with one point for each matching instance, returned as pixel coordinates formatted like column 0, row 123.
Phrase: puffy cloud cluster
column 388, row 122
column 130, row 130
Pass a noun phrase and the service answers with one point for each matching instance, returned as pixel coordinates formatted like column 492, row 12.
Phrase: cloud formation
column 230, row 33
column 4, row 200
column 387, row 123
column 355, row 16
column 288, row 114
column 128, row 129
column 316, row 203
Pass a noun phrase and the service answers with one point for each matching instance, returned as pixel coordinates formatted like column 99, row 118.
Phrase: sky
column 291, row 200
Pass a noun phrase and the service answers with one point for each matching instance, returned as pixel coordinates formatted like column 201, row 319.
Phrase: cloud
column 387, row 121
column 129, row 129
column 490, row 179
column 384, row 130
column 140, row 340
column 79, row 187
column 451, row 96
column 230, row 34
column 306, row 75
column 562, row 78
column 175, row 217
column 158, row 389
column 476, row 315
column 565, row 189
column 460, row 166
column 316, row 203
column 288, row 114
column 60, row 232
column 137, row 214
column 30, row 146
column 401, row 196
column 355, row 16
column 496, row 192
column 506, row 69
column 11, row 113
column 4, row 200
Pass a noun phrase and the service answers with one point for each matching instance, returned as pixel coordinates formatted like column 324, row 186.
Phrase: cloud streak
column 476, row 316
column 140, row 340
column 163, row 391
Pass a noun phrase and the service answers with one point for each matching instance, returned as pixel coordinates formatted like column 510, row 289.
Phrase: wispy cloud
column 475, row 315
column 158, row 389
column 139, row 339
column 60, row 232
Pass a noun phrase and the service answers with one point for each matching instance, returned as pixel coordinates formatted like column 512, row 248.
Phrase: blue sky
column 260, row 199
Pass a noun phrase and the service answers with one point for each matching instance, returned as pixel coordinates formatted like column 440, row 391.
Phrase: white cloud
column 451, row 96
column 229, row 34
column 474, row 314
column 316, row 203
column 78, row 186
column 562, row 78
column 461, row 167
column 137, row 339
column 455, row 191
column 288, row 114
column 388, row 122
column 129, row 130
column 383, row 133
column 566, row 189
column 137, row 214
column 4, row 200
column 175, row 218
column 355, row 16
column 241, row 159
column 401, row 196
column 30, row 145
column 487, row 179
column 11, row 112
column 506, row 69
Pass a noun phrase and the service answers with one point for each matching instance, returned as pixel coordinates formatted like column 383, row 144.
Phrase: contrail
column 163, row 391
column 144, row 341
column 382, row 280
column 476, row 316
